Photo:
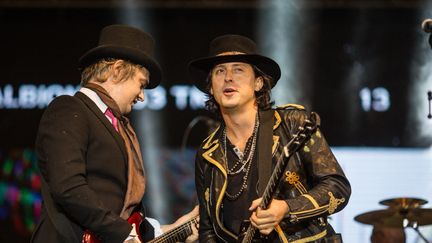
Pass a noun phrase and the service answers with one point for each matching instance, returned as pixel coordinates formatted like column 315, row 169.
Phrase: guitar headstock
column 303, row 134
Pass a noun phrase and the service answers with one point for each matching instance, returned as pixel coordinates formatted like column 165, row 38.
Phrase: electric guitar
column 298, row 140
column 179, row 233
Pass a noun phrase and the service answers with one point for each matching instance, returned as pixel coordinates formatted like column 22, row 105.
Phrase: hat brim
column 199, row 69
column 125, row 53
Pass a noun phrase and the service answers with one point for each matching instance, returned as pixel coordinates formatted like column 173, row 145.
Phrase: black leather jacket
column 313, row 185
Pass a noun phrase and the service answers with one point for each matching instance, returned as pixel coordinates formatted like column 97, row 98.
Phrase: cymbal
column 394, row 217
column 404, row 202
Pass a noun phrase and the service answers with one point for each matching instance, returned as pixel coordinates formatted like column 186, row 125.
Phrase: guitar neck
column 179, row 233
column 273, row 182
column 268, row 194
column 288, row 150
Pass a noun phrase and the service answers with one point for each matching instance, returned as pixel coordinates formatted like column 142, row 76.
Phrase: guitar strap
column 61, row 224
column 265, row 136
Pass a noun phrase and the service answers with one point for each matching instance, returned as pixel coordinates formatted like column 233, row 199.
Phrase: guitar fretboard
column 177, row 234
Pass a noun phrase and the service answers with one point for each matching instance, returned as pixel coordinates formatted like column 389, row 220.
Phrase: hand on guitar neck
column 188, row 223
column 265, row 220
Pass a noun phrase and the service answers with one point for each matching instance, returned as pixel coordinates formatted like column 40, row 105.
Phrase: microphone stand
column 414, row 226
column 208, row 121
column 427, row 28
column 429, row 99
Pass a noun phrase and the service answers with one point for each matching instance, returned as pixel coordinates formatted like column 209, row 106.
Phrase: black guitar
column 298, row 140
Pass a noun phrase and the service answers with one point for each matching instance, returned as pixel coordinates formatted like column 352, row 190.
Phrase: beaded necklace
column 242, row 165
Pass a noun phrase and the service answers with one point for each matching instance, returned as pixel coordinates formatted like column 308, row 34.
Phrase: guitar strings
column 173, row 231
column 185, row 226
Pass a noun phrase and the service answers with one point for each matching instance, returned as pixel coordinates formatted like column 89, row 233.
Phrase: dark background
column 42, row 46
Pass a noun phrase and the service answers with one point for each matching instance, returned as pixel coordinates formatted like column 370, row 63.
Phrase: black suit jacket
column 84, row 162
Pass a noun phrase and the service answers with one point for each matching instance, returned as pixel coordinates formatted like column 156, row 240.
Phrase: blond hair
column 101, row 70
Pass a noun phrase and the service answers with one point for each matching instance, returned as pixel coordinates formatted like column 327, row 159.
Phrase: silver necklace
column 241, row 164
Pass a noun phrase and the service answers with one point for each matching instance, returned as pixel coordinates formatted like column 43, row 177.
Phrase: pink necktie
column 114, row 119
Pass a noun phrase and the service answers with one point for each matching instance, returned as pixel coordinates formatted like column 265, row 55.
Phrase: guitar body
column 136, row 218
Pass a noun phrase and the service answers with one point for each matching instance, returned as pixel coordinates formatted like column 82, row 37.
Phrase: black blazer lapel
column 103, row 120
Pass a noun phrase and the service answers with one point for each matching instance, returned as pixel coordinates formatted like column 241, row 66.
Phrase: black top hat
column 128, row 43
column 231, row 48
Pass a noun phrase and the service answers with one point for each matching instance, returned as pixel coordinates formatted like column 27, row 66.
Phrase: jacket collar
column 212, row 148
column 214, row 137
column 101, row 117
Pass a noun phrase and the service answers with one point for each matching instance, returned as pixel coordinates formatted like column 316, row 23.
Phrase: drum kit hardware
column 404, row 202
column 401, row 213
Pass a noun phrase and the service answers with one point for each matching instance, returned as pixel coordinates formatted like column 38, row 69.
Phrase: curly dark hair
column 263, row 96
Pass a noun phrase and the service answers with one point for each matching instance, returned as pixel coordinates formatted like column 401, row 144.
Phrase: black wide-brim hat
column 231, row 48
column 126, row 43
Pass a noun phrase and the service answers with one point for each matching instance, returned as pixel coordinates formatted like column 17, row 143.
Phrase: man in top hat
column 88, row 154
column 234, row 164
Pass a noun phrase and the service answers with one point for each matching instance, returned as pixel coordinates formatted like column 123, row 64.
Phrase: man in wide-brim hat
column 232, row 48
column 234, row 164
column 88, row 153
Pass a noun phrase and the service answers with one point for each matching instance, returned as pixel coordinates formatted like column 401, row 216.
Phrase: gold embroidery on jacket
column 281, row 234
column 334, row 203
column 277, row 120
column 308, row 213
column 207, row 198
column 209, row 140
column 311, row 238
column 300, row 107
column 207, row 155
column 275, row 143
column 294, row 179
column 312, row 200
